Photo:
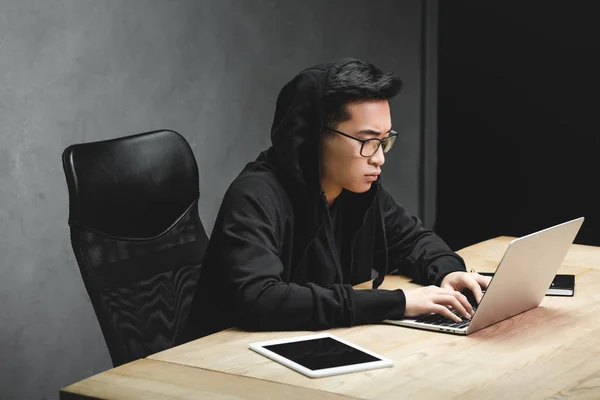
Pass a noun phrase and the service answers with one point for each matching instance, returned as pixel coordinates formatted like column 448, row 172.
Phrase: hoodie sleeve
column 249, row 248
column 414, row 250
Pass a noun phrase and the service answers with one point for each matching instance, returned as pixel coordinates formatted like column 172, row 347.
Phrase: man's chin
column 362, row 188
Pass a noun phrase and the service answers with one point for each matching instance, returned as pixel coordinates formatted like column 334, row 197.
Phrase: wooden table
column 554, row 352
column 146, row 379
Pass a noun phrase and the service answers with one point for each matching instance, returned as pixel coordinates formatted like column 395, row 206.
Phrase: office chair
column 137, row 237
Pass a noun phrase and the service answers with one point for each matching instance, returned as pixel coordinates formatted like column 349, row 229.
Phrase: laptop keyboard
column 440, row 320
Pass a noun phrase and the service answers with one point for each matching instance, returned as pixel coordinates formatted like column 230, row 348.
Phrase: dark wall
column 84, row 70
column 519, row 134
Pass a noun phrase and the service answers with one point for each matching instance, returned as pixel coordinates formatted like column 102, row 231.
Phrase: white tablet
column 319, row 355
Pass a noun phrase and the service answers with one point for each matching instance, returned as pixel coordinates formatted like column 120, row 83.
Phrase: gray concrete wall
column 83, row 70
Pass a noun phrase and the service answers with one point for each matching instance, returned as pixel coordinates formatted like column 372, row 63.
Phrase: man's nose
column 378, row 158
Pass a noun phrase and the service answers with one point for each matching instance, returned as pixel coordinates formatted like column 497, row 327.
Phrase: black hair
column 355, row 82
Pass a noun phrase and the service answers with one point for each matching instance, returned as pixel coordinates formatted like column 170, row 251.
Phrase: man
column 310, row 218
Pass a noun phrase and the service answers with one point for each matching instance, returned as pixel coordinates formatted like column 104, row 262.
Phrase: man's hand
column 433, row 299
column 466, row 280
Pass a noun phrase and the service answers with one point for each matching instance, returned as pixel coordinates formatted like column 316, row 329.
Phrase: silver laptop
column 519, row 284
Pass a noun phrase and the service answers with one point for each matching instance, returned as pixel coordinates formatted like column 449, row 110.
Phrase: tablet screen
column 321, row 353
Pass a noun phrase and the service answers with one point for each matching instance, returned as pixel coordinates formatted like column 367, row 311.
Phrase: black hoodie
column 272, row 262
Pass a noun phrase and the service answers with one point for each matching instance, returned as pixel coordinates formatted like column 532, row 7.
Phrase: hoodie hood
column 297, row 125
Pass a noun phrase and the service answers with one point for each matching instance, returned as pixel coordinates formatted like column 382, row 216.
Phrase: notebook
column 520, row 282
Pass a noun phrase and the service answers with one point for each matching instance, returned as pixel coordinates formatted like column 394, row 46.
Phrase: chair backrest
column 137, row 237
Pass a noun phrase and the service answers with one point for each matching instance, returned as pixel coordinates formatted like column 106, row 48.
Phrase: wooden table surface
column 148, row 379
column 553, row 353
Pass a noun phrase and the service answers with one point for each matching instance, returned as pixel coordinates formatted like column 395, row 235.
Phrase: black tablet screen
column 321, row 353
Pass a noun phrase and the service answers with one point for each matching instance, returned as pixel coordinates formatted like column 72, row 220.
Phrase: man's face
column 343, row 167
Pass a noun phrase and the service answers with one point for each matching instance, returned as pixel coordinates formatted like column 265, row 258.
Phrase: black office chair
column 137, row 237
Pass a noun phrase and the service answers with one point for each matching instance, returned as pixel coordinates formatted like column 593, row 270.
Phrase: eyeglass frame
column 392, row 133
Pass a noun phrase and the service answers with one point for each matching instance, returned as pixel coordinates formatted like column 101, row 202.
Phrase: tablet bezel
column 258, row 347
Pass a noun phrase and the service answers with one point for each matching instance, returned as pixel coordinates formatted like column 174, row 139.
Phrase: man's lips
column 372, row 177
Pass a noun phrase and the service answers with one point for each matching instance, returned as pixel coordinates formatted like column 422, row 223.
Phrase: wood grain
column 147, row 379
column 552, row 351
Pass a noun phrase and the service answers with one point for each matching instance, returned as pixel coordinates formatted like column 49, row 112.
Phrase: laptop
column 521, row 280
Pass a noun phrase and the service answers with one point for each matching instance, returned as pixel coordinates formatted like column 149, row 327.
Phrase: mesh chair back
column 137, row 237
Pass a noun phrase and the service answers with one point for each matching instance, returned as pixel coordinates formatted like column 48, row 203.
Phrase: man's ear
column 326, row 134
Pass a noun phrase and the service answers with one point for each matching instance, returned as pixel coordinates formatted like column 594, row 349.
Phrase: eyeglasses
column 369, row 147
